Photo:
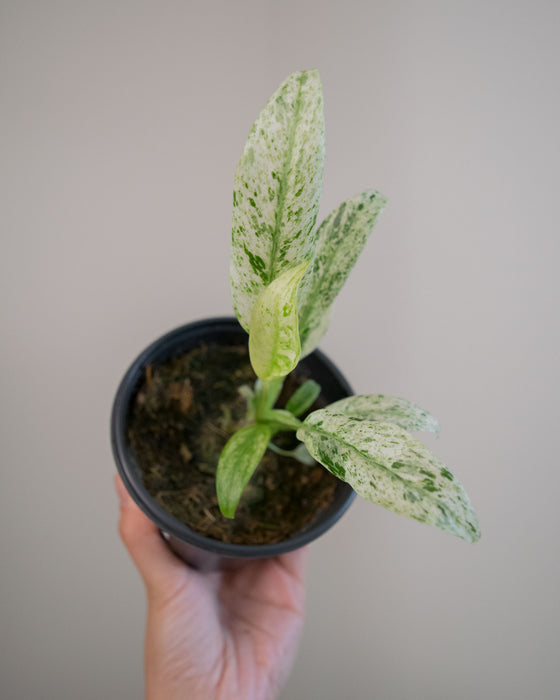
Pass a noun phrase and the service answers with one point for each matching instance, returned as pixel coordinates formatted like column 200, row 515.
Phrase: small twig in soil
column 209, row 515
column 218, row 431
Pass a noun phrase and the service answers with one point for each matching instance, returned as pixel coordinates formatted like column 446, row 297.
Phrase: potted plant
column 251, row 405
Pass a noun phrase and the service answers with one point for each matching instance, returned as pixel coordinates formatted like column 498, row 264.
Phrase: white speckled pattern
column 277, row 187
column 340, row 240
column 387, row 466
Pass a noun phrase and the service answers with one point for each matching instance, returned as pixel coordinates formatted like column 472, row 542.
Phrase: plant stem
column 299, row 453
column 266, row 394
column 279, row 451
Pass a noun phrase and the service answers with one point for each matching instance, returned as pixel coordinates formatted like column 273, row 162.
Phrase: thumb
column 160, row 569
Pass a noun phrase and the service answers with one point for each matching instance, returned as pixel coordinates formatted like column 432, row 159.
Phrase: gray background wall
column 121, row 125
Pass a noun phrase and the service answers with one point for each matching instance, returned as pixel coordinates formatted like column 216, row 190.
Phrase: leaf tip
column 227, row 511
column 475, row 532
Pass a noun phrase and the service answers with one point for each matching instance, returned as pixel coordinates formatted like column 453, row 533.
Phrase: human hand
column 213, row 636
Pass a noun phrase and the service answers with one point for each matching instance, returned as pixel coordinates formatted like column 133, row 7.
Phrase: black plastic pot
column 197, row 550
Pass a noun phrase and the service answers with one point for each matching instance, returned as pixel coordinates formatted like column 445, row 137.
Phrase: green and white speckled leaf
column 277, row 187
column 386, row 465
column 238, row 461
column 274, row 346
column 388, row 409
column 340, row 240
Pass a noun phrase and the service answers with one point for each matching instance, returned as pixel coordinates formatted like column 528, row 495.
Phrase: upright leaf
column 277, row 187
column 388, row 409
column 274, row 346
column 340, row 240
column 239, row 459
column 303, row 397
column 386, row 465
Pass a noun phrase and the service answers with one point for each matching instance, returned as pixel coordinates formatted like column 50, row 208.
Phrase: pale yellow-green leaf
column 274, row 345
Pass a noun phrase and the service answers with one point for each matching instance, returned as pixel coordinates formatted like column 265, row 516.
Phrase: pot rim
column 130, row 472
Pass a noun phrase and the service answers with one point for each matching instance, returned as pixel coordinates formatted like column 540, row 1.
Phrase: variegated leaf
column 388, row 409
column 386, row 465
column 340, row 240
column 239, row 459
column 274, row 346
column 277, row 187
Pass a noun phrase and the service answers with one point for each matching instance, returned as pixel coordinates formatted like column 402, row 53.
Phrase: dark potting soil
column 183, row 415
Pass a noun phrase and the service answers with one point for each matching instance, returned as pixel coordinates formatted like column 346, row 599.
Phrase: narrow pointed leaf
column 386, row 465
column 303, row 397
column 388, row 409
column 239, row 459
column 277, row 187
column 274, row 346
column 340, row 240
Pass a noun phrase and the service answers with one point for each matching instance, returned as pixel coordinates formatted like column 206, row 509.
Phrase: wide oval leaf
column 340, row 240
column 274, row 346
column 238, row 461
column 387, row 466
column 388, row 409
column 277, row 187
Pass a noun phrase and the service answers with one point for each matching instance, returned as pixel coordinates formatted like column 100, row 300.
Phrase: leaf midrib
column 282, row 187
column 430, row 496
column 377, row 464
